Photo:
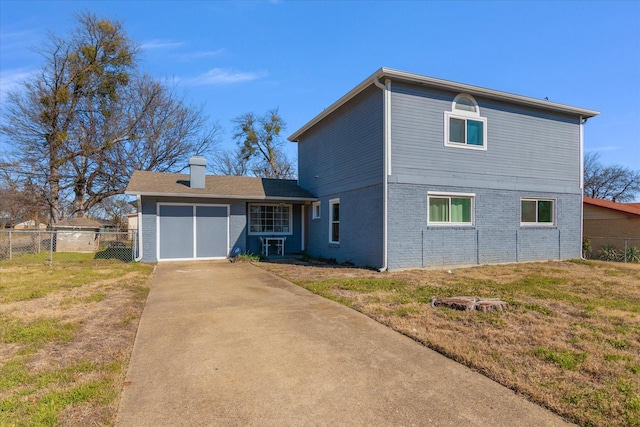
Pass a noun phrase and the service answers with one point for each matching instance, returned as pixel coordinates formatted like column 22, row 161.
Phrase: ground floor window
column 450, row 209
column 537, row 211
column 315, row 213
column 334, row 221
column 269, row 219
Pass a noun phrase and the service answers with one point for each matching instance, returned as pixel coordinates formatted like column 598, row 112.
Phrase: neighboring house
column 412, row 171
column 30, row 225
column 610, row 223
column 77, row 235
column 193, row 216
column 132, row 223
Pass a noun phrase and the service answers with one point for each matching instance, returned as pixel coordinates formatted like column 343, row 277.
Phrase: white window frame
column 270, row 233
column 440, row 195
column 460, row 114
column 315, row 210
column 554, row 211
column 331, row 221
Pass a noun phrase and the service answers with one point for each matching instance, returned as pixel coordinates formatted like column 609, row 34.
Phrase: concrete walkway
column 232, row 345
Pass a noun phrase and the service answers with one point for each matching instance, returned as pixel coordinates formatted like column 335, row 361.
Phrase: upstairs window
column 463, row 125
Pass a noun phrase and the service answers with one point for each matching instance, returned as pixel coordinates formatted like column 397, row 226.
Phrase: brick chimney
column 197, row 166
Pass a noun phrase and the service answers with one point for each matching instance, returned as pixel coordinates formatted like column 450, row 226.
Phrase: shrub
column 586, row 246
column 632, row 254
column 609, row 253
column 248, row 256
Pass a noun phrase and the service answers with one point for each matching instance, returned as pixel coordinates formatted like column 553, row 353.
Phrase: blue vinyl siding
column 345, row 151
column 527, row 149
column 360, row 228
column 342, row 157
column 530, row 153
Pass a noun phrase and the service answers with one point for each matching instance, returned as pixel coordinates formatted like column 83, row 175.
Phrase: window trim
column 465, row 115
column 270, row 233
column 315, row 210
column 442, row 194
column 331, row 221
column 554, row 212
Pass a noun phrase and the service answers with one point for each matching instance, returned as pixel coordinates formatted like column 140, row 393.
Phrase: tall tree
column 260, row 144
column 88, row 119
column 615, row 183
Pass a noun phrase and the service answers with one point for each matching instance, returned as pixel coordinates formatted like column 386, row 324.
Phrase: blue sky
column 301, row 56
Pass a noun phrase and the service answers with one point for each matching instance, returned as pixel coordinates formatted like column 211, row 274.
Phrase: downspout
column 139, row 231
column 386, row 88
column 581, row 133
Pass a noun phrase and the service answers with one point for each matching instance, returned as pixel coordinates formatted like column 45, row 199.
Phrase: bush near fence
column 620, row 249
column 41, row 246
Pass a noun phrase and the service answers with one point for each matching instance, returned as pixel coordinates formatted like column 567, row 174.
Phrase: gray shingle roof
column 235, row 187
column 80, row 223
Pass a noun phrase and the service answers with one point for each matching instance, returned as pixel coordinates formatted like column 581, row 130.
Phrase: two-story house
column 412, row 171
column 403, row 171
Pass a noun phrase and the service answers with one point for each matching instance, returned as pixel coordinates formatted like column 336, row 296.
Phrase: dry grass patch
column 66, row 334
column 570, row 340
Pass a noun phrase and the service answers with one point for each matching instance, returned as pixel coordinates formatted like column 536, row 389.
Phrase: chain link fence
column 621, row 249
column 22, row 247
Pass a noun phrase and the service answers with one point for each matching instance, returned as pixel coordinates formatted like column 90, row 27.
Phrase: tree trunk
column 54, row 189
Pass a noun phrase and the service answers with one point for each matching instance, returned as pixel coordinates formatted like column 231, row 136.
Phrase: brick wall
column 495, row 237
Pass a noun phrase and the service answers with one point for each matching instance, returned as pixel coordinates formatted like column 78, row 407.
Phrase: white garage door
column 188, row 231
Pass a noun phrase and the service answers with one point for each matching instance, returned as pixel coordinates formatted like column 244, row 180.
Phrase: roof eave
column 444, row 84
column 217, row 196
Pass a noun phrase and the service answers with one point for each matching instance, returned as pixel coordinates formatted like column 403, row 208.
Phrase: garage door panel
column 211, row 231
column 176, row 232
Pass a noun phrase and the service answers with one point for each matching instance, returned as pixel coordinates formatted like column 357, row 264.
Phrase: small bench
column 267, row 242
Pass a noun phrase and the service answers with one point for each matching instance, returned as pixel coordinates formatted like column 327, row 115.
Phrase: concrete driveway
column 230, row 344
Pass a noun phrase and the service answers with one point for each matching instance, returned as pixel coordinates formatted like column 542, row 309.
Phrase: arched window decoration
column 466, row 103
column 463, row 125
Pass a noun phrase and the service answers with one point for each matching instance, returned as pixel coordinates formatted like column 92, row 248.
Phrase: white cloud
column 159, row 44
column 219, row 76
column 602, row 149
column 203, row 54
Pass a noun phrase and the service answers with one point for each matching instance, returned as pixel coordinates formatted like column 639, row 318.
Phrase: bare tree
column 113, row 209
column 21, row 200
column 615, row 183
column 260, row 144
column 82, row 126
column 230, row 162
